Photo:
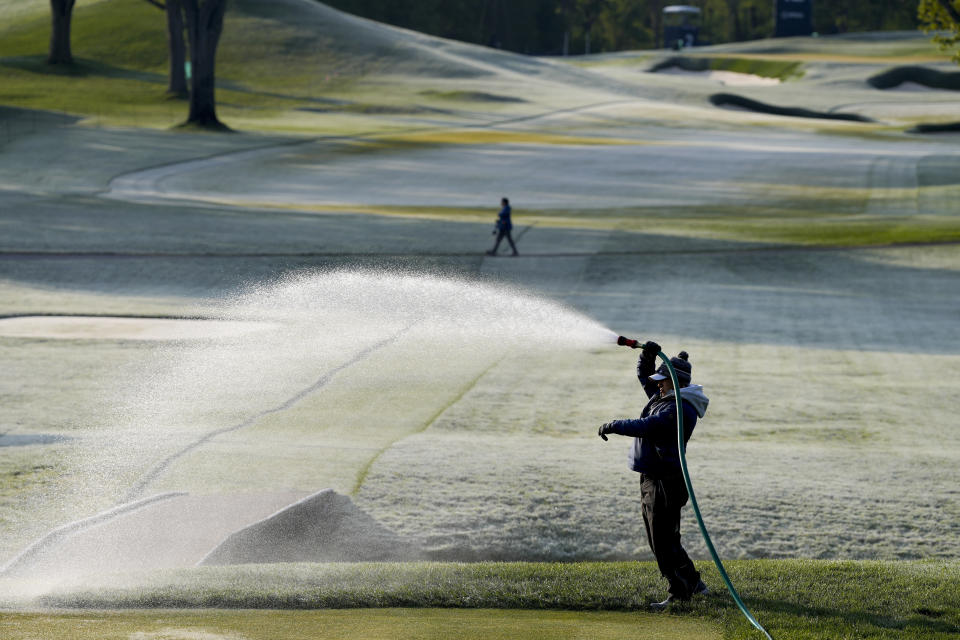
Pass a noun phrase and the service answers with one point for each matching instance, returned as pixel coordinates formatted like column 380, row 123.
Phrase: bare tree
column 61, row 14
column 590, row 11
column 655, row 12
column 583, row 13
column 204, row 20
column 177, row 84
column 736, row 31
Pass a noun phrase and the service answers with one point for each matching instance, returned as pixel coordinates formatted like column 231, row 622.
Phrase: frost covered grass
column 503, row 462
column 820, row 221
column 797, row 599
column 829, row 371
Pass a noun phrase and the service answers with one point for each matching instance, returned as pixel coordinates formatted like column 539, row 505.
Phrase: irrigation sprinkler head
column 628, row 342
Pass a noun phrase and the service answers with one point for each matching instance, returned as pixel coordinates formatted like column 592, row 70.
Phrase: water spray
column 636, row 344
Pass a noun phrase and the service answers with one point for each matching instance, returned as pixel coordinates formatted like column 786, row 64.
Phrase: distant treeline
column 553, row 27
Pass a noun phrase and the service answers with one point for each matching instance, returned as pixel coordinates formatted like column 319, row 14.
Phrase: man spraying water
column 655, row 455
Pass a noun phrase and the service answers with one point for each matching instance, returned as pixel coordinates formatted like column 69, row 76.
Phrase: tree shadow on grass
column 919, row 622
column 81, row 68
column 88, row 68
column 38, row 118
column 734, row 100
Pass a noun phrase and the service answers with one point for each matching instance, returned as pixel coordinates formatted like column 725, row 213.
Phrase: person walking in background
column 656, row 457
column 503, row 228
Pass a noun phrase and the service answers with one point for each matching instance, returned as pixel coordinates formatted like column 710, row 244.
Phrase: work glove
column 650, row 350
column 605, row 428
column 647, row 363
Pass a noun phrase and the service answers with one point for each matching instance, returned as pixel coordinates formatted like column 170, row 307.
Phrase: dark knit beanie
column 682, row 367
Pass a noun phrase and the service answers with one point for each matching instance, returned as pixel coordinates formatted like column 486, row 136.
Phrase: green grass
column 121, row 79
column 400, row 624
column 782, row 69
column 800, row 599
column 841, row 231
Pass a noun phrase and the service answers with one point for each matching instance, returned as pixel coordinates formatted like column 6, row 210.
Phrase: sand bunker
column 326, row 527
column 726, row 78
column 123, row 328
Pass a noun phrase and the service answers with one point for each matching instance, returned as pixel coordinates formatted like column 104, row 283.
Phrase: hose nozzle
column 627, row 342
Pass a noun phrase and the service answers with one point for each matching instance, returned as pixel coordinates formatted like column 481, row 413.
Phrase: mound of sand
column 325, row 527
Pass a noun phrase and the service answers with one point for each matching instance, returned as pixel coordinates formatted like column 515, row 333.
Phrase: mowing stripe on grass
column 397, row 624
column 322, row 381
column 426, row 425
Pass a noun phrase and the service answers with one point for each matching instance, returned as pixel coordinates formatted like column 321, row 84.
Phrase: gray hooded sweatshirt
column 654, row 450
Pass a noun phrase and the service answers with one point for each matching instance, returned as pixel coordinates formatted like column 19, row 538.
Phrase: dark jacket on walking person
column 656, row 456
column 503, row 227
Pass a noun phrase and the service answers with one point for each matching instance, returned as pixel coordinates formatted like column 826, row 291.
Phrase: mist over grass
column 797, row 599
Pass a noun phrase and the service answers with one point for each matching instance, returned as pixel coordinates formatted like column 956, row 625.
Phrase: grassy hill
column 296, row 65
column 275, row 58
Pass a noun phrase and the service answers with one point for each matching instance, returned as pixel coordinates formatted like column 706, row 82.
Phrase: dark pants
column 662, row 500
column 500, row 236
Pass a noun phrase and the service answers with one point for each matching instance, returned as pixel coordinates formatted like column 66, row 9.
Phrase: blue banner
column 793, row 18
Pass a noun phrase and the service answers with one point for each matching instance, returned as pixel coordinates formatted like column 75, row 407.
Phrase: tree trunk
column 204, row 26
column 61, row 12
column 175, row 42
column 656, row 23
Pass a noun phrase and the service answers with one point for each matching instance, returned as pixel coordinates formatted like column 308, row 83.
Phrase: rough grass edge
column 797, row 598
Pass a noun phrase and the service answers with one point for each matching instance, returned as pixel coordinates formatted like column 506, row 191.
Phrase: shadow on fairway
column 843, row 621
column 729, row 291
column 734, row 100
column 81, row 67
column 923, row 76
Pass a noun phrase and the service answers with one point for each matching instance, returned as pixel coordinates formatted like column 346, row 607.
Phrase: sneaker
column 700, row 590
column 660, row 606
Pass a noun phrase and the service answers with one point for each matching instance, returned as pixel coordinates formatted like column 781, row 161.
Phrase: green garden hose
column 696, row 508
